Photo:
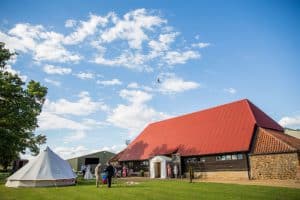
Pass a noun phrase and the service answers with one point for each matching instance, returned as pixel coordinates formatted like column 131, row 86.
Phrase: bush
column 142, row 173
column 3, row 177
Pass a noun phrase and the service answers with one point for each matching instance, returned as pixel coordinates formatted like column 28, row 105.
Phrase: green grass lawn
column 151, row 189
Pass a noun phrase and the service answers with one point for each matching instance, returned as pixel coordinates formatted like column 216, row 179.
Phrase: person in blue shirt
column 110, row 173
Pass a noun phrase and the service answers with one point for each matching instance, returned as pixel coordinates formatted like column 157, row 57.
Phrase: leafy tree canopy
column 20, row 106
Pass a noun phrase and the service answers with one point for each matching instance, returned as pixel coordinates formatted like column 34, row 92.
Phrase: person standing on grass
column 175, row 170
column 169, row 171
column 83, row 169
column 124, row 171
column 110, row 172
column 98, row 174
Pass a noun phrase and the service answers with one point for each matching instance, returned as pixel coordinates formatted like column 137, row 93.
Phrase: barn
column 232, row 141
column 90, row 159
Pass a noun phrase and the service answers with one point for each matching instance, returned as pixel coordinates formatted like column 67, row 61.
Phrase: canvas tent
column 47, row 169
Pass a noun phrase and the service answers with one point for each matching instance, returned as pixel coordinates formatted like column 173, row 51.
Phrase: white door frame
column 163, row 166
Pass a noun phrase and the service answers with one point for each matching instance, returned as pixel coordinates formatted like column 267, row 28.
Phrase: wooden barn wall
column 210, row 164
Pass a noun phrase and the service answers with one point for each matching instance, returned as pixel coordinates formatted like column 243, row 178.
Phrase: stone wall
column 221, row 175
column 274, row 166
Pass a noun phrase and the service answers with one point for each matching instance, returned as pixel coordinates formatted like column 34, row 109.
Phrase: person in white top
column 88, row 174
column 175, row 171
column 98, row 174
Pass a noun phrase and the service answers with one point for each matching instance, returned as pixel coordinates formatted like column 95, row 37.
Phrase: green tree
column 19, row 107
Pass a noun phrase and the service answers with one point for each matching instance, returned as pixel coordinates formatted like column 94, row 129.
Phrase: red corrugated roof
column 270, row 141
column 262, row 119
column 226, row 128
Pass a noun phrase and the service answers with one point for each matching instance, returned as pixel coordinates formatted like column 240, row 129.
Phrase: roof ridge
column 206, row 109
column 251, row 111
column 88, row 154
column 278, row 139
column 262, row 119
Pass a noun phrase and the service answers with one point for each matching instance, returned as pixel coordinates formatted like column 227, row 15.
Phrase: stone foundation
column 274, row 166
column 221, row 175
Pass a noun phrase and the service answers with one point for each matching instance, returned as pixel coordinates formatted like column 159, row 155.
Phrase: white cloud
column 127, row 59
column 51, row 69
column 138, row 27
column 83, row 107
column 132, row 28
column 51, row 121
column 201, row 45
column 163, row 42
column 77, row 136
column 135, row 96
column 135, row 115
column 133, row 85
column 84, row 94
column 113, row 148
column 70, row 152
column 22, row 37
column 14, row 43
column 44, row 45
column 86, row 28
column 291, row 122
column 110, row 82
column 175, row 57
column 53, row 82
column 70, row 23
column 139, row 40
column 93, row 123
column 51, row 48
column 85, row 75
column 230, row 90
column 170, row 83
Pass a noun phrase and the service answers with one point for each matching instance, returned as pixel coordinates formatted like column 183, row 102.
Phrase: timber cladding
column 274, row 166
column 225, row 162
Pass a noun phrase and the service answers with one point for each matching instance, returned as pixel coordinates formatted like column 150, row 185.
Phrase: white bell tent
column 47, row 169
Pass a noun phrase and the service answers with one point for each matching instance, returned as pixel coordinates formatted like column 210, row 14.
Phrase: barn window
column 234, row 156
column 228, row 157
column 145, row 163
column 240, row 156
column 130, row 164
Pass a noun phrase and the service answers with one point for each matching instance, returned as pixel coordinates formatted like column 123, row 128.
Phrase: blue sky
column 101, row 61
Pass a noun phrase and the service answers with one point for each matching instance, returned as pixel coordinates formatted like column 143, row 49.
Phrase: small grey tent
column 47, row 169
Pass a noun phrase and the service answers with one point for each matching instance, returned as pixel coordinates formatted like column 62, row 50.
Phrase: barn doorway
column 157, row 169
column 158, row 166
